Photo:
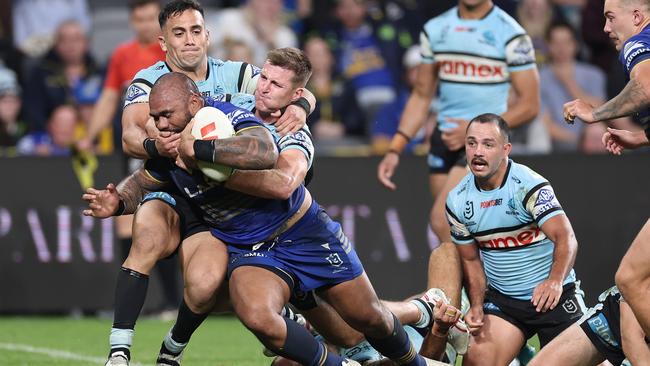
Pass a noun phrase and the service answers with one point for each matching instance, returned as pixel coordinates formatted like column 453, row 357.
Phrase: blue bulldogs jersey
column 233, row 217
column 222, row 77
column 634, row 51
column 475, row 58
column 505, row 224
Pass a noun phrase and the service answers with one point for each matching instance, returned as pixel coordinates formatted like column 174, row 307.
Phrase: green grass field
column 58, row 341
column 36, row 341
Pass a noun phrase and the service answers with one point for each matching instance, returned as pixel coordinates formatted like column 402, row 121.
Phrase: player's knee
column 202, row 287
column 626, row 279
column 375, row 321
column 259, row 320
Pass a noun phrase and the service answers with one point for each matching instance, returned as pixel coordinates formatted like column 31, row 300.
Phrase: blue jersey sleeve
column 635, row 50
column 540, row 201
column 159, row 169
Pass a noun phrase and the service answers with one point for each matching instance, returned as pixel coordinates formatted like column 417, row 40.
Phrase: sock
column 303, row 348
column 397, row 346
column 120, row 341
column 287, row 312
column 425, row 313
column 130, row 292
column 186, row 323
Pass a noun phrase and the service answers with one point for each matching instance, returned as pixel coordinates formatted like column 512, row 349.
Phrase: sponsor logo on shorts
column 334, row 260
column 254, row 254
column 600, row 326
column 570, row 306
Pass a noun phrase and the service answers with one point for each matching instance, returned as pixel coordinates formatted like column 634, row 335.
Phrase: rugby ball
column 210, row 124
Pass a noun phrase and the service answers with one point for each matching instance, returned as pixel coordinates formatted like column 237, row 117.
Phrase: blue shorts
column 312, row 254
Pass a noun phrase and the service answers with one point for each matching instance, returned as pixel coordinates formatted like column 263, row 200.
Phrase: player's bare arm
column 634, row 97
column 413, row 117
column 434, row 344
column 134, row 119
column 276, row 183
column 525, row 83
column 558, row 229
column 632, row 337
column 251, row 148
column 475, row 284
column 123, row 199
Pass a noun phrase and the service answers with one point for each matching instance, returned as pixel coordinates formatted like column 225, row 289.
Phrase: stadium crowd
column 364, row 52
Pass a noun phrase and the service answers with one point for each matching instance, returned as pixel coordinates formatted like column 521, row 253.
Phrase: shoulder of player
column 639, row 43
column 152, row 73
column 523, row 175
column 506, row 23
column 462, row 188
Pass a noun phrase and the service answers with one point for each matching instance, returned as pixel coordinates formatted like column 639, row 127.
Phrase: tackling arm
column 134, row 119
column 251, row 148
column 276, row 183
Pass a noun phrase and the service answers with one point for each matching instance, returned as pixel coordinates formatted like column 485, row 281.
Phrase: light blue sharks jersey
column 301, row 139
column 223, row 77
column 475, row 58
column 505, row 224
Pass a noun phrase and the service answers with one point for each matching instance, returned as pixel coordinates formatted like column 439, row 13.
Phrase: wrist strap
column 121, row 207
column 303, row 103
column 393, row 151
column 149, row 145
column 204, row 150
column 401, row 133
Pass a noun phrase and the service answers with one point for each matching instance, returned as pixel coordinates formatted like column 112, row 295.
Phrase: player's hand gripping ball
column 210, row 124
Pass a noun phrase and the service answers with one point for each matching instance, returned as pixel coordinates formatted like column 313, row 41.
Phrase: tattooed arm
column 123, row 199
column 633, row 98
column 252, row 148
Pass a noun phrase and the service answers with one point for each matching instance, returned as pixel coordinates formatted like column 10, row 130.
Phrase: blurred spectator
column 11, row 127
column 325, row 120
column 35, row 22
column 602, row 52
column 127, row 59
column 259, row 24
column 58, row 138
column 536, row 16
column 591, row 138
column 571, row 10
column 565, row 79
column 387, row 120
column 368, row 61
column 68, row 68
column 237, row 51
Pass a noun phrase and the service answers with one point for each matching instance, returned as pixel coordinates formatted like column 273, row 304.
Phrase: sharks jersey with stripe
column 636, row 50
column 475, row 58
column 234, row 217
column 223, row 77
column 505, row 224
